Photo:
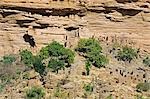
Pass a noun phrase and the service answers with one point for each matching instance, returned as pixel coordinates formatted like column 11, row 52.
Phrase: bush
column 92, row 51
column 26, row 57
column 57, row 51
column 8, row 59
column 38, row 65
column 35, row 93
column 56, row 65
column 44, row 54
column 87, row 67
column 146, row 61
column 143, row 86
column 68, row 56
column 88, row 87
column 127, row 54
column 98, row 59
column 54, row 49
column 88, row 45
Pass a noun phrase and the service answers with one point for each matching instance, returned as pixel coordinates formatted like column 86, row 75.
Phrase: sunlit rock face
column 66, row 21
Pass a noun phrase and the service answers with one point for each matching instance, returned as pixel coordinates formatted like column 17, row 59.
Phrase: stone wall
column 68, row 20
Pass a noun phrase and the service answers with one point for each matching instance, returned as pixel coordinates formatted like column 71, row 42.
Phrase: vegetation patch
column 127, row 54
column 143, row 87
column 56, row 65
column 87, row 67
column 58, row 56
column 38, row 65
column 88, row 87
column 91, row 49
column 26, row 57
column 35, row 93
column 8, row 59
column 146, row 61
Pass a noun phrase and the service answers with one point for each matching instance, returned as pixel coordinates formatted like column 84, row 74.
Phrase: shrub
column 58, row 51
column 68, row 56
column 54, row 49
column 92, row 51
column 88, row 87
column 87, row 67
column 38, row 65
column 98, row 59
column 35, row 93
column 127, row 54
column 88, row 45
column 8, row 59
column 56, row 65
column 26, row 57
column 146, row 61
column 143, row 86
column 44, row 54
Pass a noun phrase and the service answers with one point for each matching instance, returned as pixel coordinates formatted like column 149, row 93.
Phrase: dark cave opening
column 71, row 28
column 29, row 38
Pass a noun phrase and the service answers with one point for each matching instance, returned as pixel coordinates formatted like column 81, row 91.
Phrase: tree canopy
column 92, row 51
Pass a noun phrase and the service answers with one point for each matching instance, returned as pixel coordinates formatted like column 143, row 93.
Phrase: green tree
column 26, row 57
column 53, row 49
column 92, row 51
column 88, row 45
column 35, row 93
column 98, row 59
column 57, row 51
column 56, row 65
column 127, row 54
column 68, row 56
column 38, row 65
column 44, row 54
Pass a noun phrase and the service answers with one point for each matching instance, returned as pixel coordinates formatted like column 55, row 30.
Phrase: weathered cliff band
column 126, row 21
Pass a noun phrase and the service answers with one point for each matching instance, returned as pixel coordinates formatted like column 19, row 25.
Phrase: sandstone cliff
column 31, row 24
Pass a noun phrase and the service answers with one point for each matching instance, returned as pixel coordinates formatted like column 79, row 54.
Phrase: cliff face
column 124, row 21
column 31, row 24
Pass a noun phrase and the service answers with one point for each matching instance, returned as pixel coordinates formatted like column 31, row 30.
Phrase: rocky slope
column 66, row 21
column 31, row 24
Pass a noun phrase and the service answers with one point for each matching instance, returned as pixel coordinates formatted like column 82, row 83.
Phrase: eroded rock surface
column 24, row 23
column 46, row 20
